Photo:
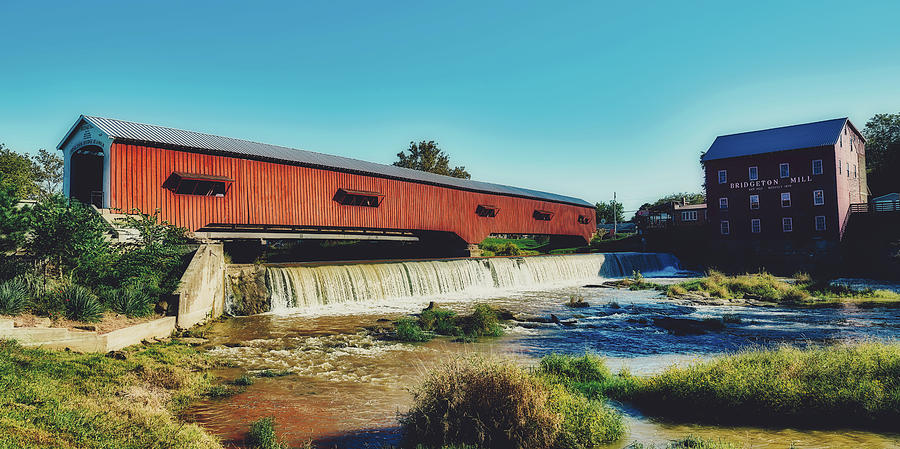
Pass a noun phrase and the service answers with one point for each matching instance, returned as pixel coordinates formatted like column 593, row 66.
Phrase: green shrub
column 478, row 402
column 586, row 368
column 81, row 304
column 508, row 249
column 130, row 301
column 262, row 435
column 483, row 322
column 690, row 442
column 856, row 385
column 585, row 422
column 272, row 373
column 440, row 321
column 243, row 381
column 408, row 330
column 13, row 297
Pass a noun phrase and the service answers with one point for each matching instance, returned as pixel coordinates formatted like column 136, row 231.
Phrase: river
column 347, row 388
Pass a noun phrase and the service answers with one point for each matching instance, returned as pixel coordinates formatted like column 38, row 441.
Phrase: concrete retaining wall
column 87, row 341
column 201, row 293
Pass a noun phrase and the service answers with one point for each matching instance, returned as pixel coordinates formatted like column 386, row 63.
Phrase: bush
column 262, row 435
column 477, row 402
column 80, row 304
column 13, row 297
column 585, row 422
column 586, row 368
column 762, row 286
column 408, row 330
column 243, row 381
column 483, row 322
column 691, row 442
column 439, row 321
column 130, row 301
column 840, row 385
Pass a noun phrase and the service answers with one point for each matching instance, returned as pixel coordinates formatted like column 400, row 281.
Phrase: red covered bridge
column 224, row 188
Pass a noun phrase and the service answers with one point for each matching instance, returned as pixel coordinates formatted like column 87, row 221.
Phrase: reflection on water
column 348, row 388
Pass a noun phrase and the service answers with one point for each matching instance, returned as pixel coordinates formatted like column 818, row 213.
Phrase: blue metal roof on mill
column 795, row 137
column 144, row 133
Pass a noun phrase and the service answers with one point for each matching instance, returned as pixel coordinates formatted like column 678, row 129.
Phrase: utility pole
column 615, row 213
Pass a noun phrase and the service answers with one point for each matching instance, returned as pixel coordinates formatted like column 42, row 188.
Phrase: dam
column 282, row 288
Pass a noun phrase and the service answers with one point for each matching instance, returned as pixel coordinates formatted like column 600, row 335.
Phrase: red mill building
column 786, row 188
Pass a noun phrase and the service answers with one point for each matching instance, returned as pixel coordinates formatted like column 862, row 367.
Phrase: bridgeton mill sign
column 770, row 183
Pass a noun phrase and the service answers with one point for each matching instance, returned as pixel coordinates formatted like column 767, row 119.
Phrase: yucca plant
column 13, row 297
column 130, row 301
column 81, row 304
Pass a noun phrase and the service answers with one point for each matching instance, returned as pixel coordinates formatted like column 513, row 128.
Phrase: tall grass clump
column 81, row 304
column 760, row 286
column 130, row 300
column 13, row 297
column 439, row 321
column 482, row 322
column 262, row 435
column 856, row 385
column 483, row 403
column 408, row 329
column 473, row 401
column 690, row 442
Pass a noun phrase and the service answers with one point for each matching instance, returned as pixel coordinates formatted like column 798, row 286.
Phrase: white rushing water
column 298, row 287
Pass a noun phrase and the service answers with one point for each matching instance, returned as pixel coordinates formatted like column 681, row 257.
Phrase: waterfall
column 291, row 287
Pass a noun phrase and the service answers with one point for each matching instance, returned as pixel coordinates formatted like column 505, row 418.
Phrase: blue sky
column 577, row 98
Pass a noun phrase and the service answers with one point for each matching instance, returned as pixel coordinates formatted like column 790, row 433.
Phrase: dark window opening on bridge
column 486, row 211
column 198, row 184
column 543, row 215
column 358, row 198
column 583, row 219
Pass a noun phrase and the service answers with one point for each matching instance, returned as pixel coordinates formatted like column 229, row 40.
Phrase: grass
column 485, row 403
column 68, row 400
column 510, row 247
column 690, row 442
column 482, row 322
column 262, row 435
column 762, row 286
column 848, row 385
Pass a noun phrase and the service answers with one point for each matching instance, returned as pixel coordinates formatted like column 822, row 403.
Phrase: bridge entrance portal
column 86, row 176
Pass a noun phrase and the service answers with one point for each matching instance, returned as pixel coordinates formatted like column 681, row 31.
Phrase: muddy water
column 346, row 388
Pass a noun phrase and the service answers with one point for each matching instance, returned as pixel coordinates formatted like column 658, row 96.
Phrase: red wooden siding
column 266, row 193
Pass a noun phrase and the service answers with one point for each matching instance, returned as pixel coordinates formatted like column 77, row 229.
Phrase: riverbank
column 123, row 399
column 765, row 289
column 492, row 403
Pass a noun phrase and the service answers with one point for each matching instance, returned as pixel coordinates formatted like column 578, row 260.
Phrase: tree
column 19, row 171
column 49, row 171
column 66, row 235
column 688, row 198
column 426, row 156
column 882, row 133
column 608, row 211
column 12, row 219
